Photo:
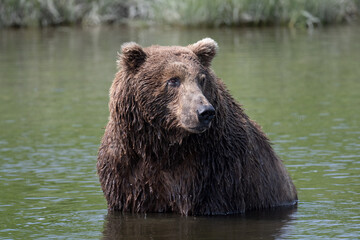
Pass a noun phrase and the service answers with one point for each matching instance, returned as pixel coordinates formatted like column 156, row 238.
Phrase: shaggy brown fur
column 150, row 160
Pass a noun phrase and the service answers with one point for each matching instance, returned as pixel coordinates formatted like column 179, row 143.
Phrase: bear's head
column 170, row 87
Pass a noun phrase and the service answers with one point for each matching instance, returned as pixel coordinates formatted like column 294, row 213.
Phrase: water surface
column 303, row 88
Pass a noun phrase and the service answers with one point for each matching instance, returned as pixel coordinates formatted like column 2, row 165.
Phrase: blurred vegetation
column 256, row 12
column 213, row 13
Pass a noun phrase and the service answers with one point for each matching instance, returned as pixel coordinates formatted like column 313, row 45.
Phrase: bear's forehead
column 167, row 49
column 173, row 59
column 171, row 52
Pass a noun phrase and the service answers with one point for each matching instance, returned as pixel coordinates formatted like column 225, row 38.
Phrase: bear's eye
column 202, row 79
column 174, row 82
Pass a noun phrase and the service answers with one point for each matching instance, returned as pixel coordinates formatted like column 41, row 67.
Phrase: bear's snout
column 205, row 114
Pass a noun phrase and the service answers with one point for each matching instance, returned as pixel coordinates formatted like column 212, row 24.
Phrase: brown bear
column 176, row 141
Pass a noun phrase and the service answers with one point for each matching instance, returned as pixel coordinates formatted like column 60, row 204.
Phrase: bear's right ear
column 132, row 56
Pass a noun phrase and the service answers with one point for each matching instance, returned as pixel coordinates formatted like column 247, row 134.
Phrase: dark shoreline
column 201, row 13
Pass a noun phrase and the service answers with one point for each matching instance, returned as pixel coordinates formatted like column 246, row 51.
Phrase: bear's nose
column 206, row 113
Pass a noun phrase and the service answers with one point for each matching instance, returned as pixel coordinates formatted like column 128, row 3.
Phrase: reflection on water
column 256, row 225
column 302, row 88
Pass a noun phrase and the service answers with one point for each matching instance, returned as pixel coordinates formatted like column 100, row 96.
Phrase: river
column 302, row 87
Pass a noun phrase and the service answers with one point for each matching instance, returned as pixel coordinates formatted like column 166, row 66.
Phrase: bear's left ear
column 205, row 49
column 132, row 56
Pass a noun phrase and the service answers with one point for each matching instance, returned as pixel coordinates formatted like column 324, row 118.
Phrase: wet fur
column 148, row 163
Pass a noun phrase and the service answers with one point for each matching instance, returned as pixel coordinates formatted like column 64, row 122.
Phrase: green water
column 303, row 88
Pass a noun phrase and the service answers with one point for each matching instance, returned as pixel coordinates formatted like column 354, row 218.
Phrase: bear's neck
column 169, row 148
column 163, row 147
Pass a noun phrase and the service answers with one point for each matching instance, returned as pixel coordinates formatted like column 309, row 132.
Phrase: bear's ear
column 132, row 56
column 205, row 49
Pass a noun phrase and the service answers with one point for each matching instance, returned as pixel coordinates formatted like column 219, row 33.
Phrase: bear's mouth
column 199, row 129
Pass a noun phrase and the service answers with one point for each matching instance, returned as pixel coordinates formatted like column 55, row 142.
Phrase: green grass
column 22, row 13
column 255, row 12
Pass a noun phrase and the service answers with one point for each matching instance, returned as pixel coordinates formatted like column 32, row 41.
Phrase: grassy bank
column 23, row 13
column 256, row 12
